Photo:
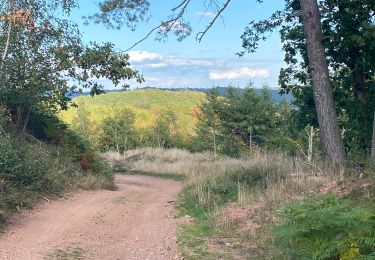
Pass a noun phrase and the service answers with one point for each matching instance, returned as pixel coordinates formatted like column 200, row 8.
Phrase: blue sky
column 213, row 62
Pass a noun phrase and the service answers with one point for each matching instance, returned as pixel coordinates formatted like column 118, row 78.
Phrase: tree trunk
column 310, row 136
column 5, row 53
column 158, row 138
column 214, row 137
column 373, row 139
column 250, row 138
column 359, row 79
column 26, row 121
column 330, row 132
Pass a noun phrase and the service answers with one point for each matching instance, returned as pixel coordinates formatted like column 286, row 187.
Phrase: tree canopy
column 44, row 59
column 347, row 34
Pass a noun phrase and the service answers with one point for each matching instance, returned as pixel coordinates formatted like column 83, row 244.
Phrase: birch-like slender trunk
column 214, row 142
column 250, row 138
column 310, row 135
column 9, row 33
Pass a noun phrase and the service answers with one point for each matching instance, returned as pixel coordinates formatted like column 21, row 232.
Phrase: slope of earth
column 133, row 222
column 146, row 104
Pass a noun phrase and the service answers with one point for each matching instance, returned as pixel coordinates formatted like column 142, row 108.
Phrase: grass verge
column 238, row 208
column 70, row 253
column 166, row 176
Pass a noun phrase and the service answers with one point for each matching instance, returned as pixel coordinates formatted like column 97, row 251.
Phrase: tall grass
column 234, row 199
column 283, row 176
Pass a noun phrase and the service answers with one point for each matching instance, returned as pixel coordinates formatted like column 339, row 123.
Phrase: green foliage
column 249, row 177
column 348, row 38
column 165, row 129
column 167, row 176
column 118, row 132
column 326, row 228
column 162, row 118
column 44, row 59
column 243, row 120
column 58, row 160
column 208, row 126
column 216, row 191
column 203, row 199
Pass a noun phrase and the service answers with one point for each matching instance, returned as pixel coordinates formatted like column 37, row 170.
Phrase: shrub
column 249, row 177
column 216, row 191
column 326, row 228
column 31, row 168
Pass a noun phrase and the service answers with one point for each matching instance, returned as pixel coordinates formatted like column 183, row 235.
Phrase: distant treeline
column 227, row 121
column 275, row 93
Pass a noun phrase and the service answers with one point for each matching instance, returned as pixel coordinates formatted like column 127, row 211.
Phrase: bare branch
column 200, row 35
column 149, row 34
column 174, row 20
column 168, row 25
column 180, row 5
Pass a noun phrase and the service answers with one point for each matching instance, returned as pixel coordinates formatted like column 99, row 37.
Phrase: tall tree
column 248, row 115
column 348, row 38
column 118, row 132
column 165, row 129
column 323, row 95
column 373, row 139
column 208, row 127
column 348, row 30
column 45, row 60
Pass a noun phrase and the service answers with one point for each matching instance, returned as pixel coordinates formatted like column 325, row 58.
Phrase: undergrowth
column 167, row 176
column 263, row 206
column 325, row 227
column 203, row 202
column 32, row 168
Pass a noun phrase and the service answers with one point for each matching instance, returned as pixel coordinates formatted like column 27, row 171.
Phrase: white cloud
column 152, row 60
column 142, row 56
column 206, row 14
column 242, row 73
column 189, row 62
column 155, row 65
column 166, row 70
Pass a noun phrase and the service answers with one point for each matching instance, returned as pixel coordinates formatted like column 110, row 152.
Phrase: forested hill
column 275, row 95
column 147, row 106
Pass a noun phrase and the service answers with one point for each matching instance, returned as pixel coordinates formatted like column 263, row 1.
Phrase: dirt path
column 133, row 222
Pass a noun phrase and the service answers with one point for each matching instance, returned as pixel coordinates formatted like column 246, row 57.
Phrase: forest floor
column 133, row 222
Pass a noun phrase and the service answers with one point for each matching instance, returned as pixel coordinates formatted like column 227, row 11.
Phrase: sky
column 189, row 63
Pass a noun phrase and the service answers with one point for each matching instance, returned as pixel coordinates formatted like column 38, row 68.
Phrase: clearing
column 133, row 222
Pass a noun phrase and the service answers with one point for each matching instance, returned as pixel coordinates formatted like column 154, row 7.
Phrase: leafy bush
column 248, row 177
column 218, row 190
column 31, row 168
column 326, row 228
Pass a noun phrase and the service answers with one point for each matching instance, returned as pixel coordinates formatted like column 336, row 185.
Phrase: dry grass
column 153, row 160
column 212, row 182
column 95, row 182
column 286, row 178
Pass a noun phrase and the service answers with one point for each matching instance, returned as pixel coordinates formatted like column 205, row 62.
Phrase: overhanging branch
column 172, row 22
column 200, row 35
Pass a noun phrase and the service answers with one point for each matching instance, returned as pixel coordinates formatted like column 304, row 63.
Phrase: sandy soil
column 133, row 222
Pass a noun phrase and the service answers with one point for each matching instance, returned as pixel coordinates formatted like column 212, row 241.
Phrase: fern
column 325, row 228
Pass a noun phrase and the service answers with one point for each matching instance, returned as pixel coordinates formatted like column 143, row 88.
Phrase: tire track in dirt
column 133, row 222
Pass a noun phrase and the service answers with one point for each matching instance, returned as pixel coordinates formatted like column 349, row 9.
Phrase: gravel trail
column 133, row 222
